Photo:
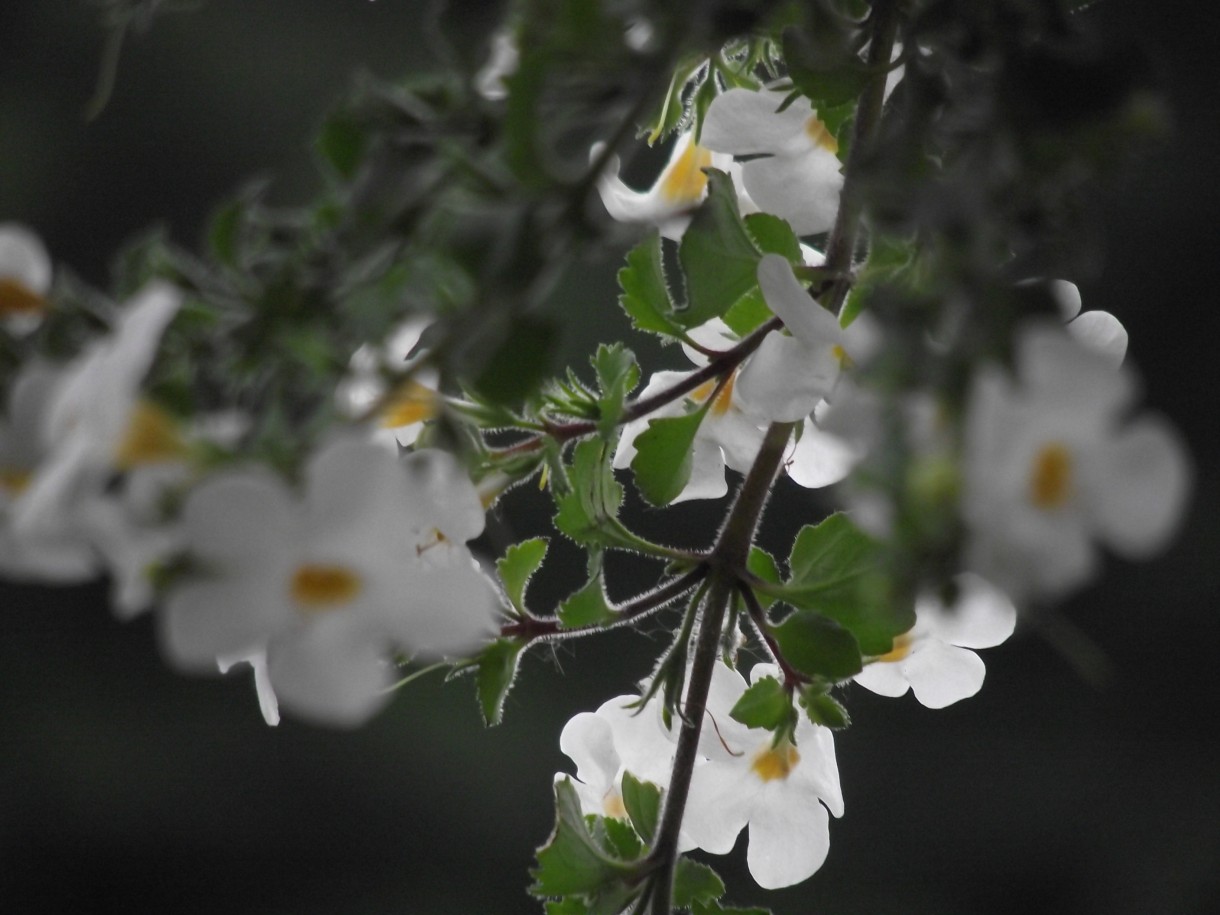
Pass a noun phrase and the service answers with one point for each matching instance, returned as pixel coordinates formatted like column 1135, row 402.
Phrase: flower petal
column 743, row 122
column 1103, row 333
column 789, row 837
column 983, row 617
column 802, row 189
column 819, row 458
column 942, row 674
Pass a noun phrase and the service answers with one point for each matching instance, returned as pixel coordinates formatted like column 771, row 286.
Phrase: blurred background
column 125, row 787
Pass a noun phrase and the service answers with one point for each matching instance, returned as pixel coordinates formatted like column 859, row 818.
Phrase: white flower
column 790, row 373
column 25, row 278
column 798, row 176
column 1050, row 465
column 1100, row 331
column 783, row 793
column 369, row 563
column 95, row 422
column 677, row 192
column 934, row 659
column 401, row 411
column 489, row 82
column 731, row 433
column 58, row 550
column 619, row 737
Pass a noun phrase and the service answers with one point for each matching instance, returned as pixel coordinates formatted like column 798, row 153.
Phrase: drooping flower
column 731, row 432
column 677, row 192
column 95, row 422
column 934, row 659
column 790, row 373
column 1051, row 465
column 370, row 562
column 795, row 173
column 782, row 792
column 25, row 278
column 619, row 737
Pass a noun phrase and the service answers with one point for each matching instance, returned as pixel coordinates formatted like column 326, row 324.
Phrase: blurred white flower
column 371, row 562
column 1100, row 331
column 25, row 278
column 402, row 408
column 934, row 659
column 1051, row 464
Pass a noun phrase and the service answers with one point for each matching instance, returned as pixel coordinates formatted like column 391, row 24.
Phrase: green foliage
column 715, row 908
column 589, row 499
column 695, row 882
column 763, row 565
column 818, row 646
column 618, row 373
column 518, row 564
column 494, row 675
column 517, row 366
column 643, row 802
column 645, row 291
column 665, row 454
column 765, row 704
column 835, row 571
column 573, row 861
column 822, row 708
column 587, row 607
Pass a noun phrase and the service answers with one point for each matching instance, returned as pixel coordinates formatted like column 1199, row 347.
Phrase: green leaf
column 766, row 704
column 719, row 259
column 772, row 235
column 587, row 607
column 617, row 837
column 341, row 144
column 762, row 564
column 592, row 498
column 818, row 646
column 645, row 296
column 518, row 564
column 714, row 908
column 497, row 668
column 695, row 882
column 617, row 375
column 224, row 232
column 836, row 570
column 572, row 861
column 643, row 802
column 665, row 455
column 518, row 365
column 822, row 708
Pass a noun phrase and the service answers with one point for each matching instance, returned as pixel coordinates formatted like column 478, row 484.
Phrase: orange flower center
column 685, row 180
column 410, row 403
column 152, row 437
column 18, row 299
column 902, row 648
column 316, row 587
column 724, row 399
column 820, row 136
column 1050, row 482
column 775, row 762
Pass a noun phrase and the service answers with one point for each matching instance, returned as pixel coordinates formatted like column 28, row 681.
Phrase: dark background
column 125, row 787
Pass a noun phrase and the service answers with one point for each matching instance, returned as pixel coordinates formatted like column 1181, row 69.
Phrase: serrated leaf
column 834, row 570
column 586, row 607
column 645, row 292
column 618, row 373
column 772, row 235
column 818, row 646
column 718, row 257
column 695, row 882
column 665, row 455
column 765, row 704
column 593, row 496
column 518, row 564
column 822, row 708
column 572, row 861
column 618, row 838
column 497, row 668
column 643, row 802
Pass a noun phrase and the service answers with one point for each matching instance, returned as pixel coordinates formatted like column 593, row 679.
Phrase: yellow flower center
column 613, row 806
column 685, row 180
column 15, row 480
column 902, row 648
column 775, row 762
column 152, row 437
column 18, row 299
column 820, row 136
column 1050, row 482
column 841, row 356
column 318, row 587
column 724, row 399
column 410, row 403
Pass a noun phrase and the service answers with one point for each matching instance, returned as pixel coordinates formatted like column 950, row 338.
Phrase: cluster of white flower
column 320, row 593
